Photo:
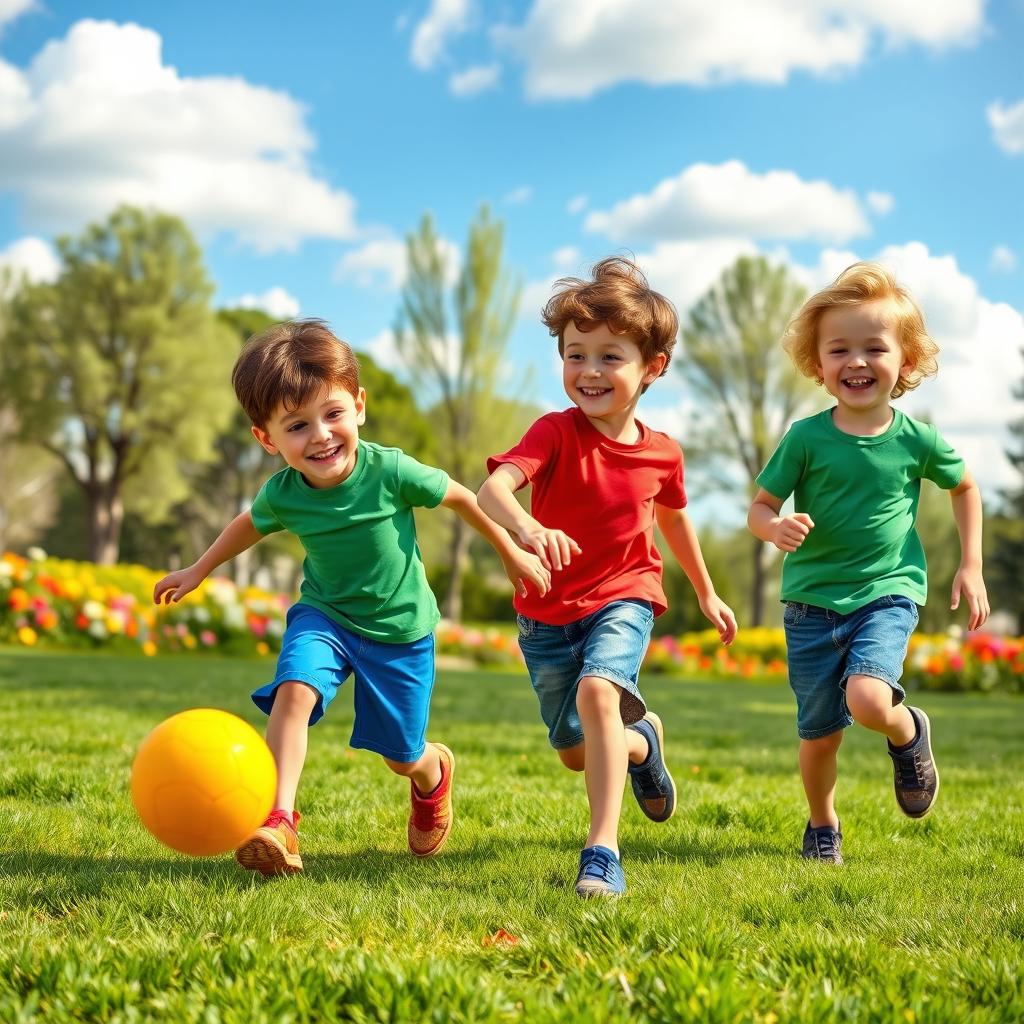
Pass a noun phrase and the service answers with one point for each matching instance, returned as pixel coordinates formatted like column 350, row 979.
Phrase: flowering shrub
column 979, row 662
column 755, row 652
column 51, row 602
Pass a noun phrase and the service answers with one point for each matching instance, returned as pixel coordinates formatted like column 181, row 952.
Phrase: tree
column 747, row 387
column 120, row 369
column 463, row 368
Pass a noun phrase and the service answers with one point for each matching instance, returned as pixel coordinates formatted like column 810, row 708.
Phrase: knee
column 295, row 697
column 869, row 700
column 824, row 746
column 573, row 758
column 597, row 696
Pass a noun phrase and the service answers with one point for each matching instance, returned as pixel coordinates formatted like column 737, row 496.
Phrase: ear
column 264, row 439
column 655, row 368
column 360, row 404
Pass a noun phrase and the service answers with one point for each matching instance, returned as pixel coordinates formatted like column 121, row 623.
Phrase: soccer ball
column 202, row 781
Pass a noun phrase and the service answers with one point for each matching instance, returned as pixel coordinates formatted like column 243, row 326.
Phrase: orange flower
column 149, row 648
column 18, row 599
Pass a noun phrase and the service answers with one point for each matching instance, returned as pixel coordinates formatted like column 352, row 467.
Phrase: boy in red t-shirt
column 600, row 480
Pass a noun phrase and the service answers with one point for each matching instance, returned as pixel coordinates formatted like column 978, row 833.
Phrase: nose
column 321, row 431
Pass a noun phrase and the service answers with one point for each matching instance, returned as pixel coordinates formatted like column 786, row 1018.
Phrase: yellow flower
column 115, row 624
column 262, row 648
column 149, row 648
column 27, row 636
column 189, row 641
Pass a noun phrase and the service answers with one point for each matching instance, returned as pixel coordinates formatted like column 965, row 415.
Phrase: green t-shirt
column 363, row 566
column 862, row 494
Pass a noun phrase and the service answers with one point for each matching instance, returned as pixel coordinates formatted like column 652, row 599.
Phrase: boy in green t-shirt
column 364, row 606
column 854, row 570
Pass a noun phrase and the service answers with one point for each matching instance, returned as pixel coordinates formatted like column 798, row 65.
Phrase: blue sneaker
column 653, row 787
column 600, row 873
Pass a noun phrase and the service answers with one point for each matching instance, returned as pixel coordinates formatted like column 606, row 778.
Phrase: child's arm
column 497, row 498
column 966, row 500
column 238, row 536
column 787, row 533
column 521, row 567
column 681, row 538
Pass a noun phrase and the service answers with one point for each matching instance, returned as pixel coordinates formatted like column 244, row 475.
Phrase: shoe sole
column 935, row 796
column 589, row 892
column 451, row 808
column 268, row 857
column 659, row 731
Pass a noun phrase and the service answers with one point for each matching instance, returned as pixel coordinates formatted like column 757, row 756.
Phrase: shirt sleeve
column 943, row 466
column 537, row 448
column 263, row 516
column 673, row 493
column 420, row 486
column 780, row 477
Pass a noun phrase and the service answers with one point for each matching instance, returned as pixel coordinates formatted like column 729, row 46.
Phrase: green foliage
column 119, row 368
column 722, row 923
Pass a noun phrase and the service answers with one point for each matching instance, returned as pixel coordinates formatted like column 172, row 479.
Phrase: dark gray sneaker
column 823, row 843
column 915, row 776
column 653, row 787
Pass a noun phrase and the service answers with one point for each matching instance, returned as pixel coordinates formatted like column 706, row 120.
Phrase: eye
column 296, row 427
column 334, row 414
column 611, row 357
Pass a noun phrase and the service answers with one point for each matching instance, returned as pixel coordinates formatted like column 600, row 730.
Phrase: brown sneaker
column 273, row 849
column 915, row 775
column 431, row 817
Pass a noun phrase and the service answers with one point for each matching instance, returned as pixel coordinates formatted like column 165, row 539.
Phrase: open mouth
column 326, row 456
column 594, row 392
column 858, row 383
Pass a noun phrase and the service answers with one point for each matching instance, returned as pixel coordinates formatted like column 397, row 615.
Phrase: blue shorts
column 393, row 682
column 825, row 648
column 609, row 643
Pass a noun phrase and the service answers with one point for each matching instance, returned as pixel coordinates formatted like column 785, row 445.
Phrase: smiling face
column 603, row 372
column 860, row 358
column 319, row 439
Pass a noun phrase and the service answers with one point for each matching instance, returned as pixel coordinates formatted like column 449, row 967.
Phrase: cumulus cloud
column 577, row 204
column 729, row 200
column 445, row 19
column 1003, row 260
column 880, row 202
column 97, row 119
column 275, row 302
column 11, row 9
column 383, row 263
column 1007, row 126
column 28, row 259
column 572, row 48
column 474, row 80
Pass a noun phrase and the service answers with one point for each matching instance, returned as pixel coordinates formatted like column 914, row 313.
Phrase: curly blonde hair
column 859, row 283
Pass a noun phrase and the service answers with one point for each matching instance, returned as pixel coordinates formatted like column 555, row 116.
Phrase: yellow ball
column 202, row 781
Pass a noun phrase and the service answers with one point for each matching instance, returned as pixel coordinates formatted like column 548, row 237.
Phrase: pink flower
column 207, row 638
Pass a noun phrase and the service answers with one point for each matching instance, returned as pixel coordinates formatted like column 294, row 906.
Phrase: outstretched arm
column 238, row 536
column 498, row 499
column 521, row 567
column 682, row 540
column 968, row 581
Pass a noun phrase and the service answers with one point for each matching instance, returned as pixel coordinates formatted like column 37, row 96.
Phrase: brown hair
column 859, row 283
column 617, row 295
column 287, row 364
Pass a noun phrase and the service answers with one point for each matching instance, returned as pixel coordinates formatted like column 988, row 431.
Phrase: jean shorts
column 825, row 648
column 392, row 682
column 609, row 643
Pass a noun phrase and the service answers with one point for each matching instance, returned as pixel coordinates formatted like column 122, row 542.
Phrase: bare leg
column 819, row 768
column 287, row 736
column 870, row 702
column 424, row 772
column 574, row 758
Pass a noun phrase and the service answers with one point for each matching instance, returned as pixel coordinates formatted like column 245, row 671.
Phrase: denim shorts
column 825, row 648
column 609, row 643
column 392, row 682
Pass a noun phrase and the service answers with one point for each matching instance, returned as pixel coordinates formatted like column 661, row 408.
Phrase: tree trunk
column 461, row 537
column 106, row 516
column 757, row 585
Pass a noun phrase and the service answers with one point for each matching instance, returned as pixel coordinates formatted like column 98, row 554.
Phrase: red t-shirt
column 602, row 494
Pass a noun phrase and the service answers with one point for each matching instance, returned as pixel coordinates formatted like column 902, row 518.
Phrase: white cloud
column 474, row 80
column 1003, row 260
column 1007, row 126
column 729, row 200
column 383, row 263
column 29, row 259
column 446, row 18
column 577, row 204
column 684, row 271
column 383, row 350
column 98, row 119
column 572, row 48
column 11, row 9
column 518, row 196
column 567, row 258
column 880, row 202
column 275, row 302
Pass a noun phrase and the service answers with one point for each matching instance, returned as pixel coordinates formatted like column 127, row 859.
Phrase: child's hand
column 720, row 615
column 522, row 567
column 968, row 581
column 790, row 531
column 175, row 585
column 553, row 547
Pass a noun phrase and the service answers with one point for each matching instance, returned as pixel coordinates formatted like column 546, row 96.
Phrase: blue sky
column 302, row 148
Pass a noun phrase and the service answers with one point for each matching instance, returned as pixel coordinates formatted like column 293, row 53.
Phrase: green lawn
column 722, row 921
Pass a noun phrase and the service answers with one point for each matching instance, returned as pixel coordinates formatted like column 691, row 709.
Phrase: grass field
column 722, row 921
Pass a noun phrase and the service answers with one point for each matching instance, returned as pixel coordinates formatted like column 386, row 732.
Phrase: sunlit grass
column 722, row 921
